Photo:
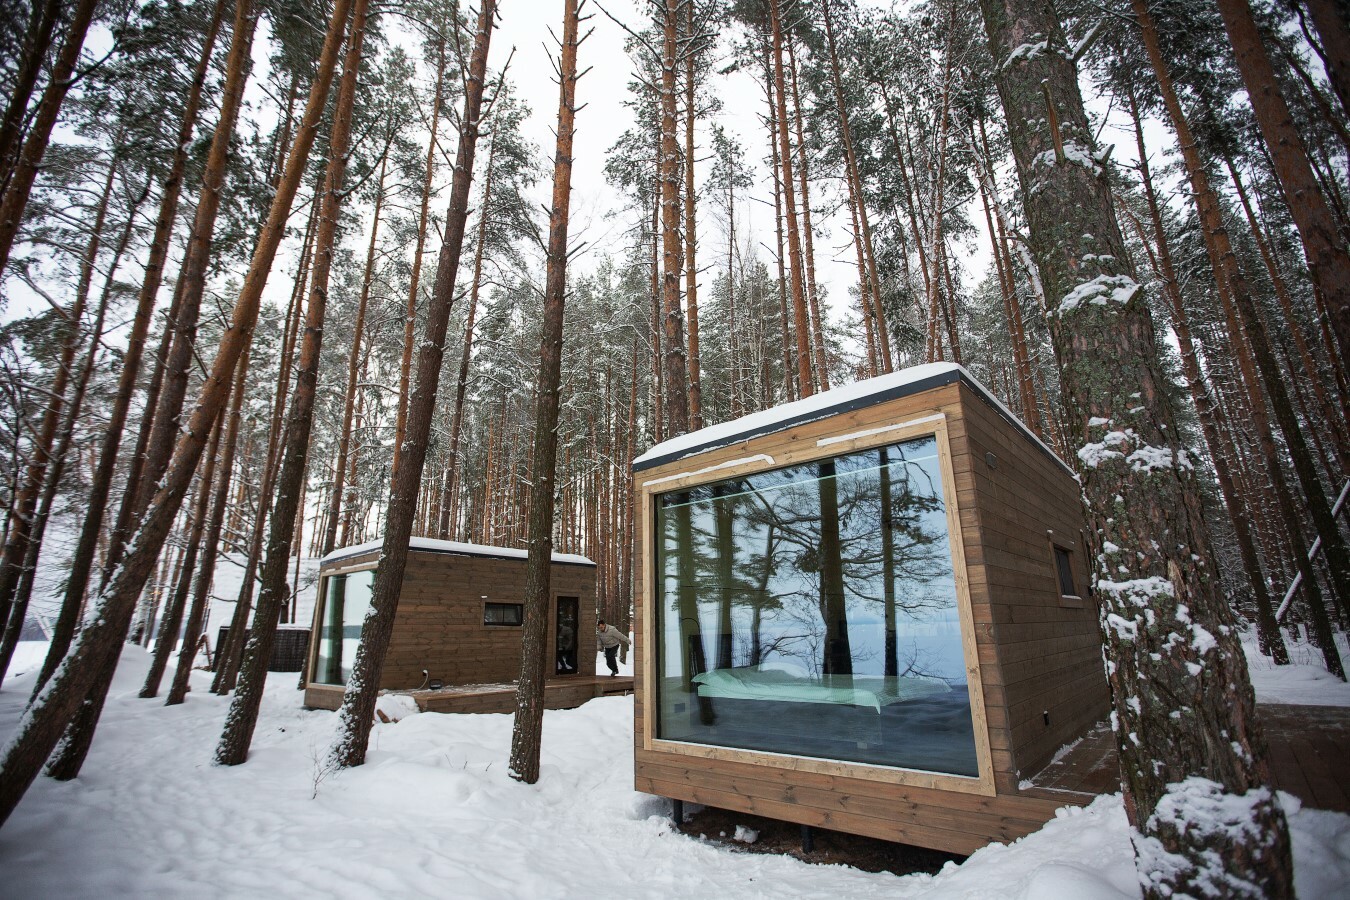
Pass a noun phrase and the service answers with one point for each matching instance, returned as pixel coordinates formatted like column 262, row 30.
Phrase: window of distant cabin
column 345, row 600
column 503, row 614
column 812, row 611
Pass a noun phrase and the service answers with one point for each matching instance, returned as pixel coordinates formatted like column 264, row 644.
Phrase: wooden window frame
column 924, row 424
column 1067, row 601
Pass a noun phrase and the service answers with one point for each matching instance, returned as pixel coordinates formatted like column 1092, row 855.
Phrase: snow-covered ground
column 434, row 813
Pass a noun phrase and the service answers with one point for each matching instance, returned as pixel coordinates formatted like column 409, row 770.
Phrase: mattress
column 868, row 691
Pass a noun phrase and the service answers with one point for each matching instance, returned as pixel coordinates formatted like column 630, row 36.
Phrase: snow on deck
column 458, row 548
column 858, row 395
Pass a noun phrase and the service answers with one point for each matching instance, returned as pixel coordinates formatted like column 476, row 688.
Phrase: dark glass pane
column 503, row 614
column 1065, row 567
column 811, row 611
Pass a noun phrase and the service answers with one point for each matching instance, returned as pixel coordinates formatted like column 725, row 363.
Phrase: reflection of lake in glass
column 817, row 590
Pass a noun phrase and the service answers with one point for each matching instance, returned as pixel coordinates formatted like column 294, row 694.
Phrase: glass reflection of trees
column 840, row 567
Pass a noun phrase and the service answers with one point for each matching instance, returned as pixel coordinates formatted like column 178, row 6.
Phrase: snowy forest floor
column 435, row 813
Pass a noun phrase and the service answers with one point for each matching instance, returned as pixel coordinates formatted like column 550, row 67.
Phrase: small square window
column 503, row 614
column 1064, row 565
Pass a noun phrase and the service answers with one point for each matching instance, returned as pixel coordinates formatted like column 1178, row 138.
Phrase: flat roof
column 849, row 397
column 452, row 548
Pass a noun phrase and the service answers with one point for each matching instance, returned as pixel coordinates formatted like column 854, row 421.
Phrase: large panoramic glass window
column 811, row 611
column 345, row 602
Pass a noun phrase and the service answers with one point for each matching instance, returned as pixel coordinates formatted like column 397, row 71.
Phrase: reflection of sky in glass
column 775, row 582
column 346, row 600
column 811, row 610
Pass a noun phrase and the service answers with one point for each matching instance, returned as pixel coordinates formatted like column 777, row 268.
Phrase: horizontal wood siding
column 1047, row 651
column 439, row 625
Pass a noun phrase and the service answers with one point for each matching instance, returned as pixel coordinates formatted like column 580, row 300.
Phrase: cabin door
column 565, row 657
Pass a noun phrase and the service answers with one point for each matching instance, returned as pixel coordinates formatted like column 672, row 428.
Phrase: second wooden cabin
column 866, row 611
column 458, row 622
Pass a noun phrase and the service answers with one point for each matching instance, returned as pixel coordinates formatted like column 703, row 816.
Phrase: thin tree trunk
column 452, row 466
column 164, row 423
column 529, row 720
column 675, row 366
column 1323, row 246
column 690, row 231
column 330, row 529
column 1212, row 418
column 231, row 652
column 37, row 42
column 15, row 199
column 414, row 283
column 808, row 231
column 206, row 570
column 870, row 288
column 801, row 318
column 358, row 706
column 167, row 639
column 93, row 657
column 73, row 409
column 82, row 562
column 20, row 521
column 1246, row 326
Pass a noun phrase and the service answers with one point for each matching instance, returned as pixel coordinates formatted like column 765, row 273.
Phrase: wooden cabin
column 865, row 611
column 459, row 620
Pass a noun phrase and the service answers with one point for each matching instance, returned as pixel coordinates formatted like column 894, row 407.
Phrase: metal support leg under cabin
column 808, row 839
column 677, row 812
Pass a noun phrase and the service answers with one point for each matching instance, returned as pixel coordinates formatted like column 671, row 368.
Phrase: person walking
column 609, row 638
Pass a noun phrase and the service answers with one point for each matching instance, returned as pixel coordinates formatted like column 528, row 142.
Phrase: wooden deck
column 559, row 693
column 1308, row 748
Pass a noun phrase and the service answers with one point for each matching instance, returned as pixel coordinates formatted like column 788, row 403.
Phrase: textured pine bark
column 358, row 706
column 534, row 657
column 96, row 648
column 690, row 229
column 1183, row 708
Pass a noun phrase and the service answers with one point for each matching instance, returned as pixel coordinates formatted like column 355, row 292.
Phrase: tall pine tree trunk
column 534, row 657
column 1152, row 563
column 358, row 706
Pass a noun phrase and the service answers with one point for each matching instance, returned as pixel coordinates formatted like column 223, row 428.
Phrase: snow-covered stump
column 1183, row 705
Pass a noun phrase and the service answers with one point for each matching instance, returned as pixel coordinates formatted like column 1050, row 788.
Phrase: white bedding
column 871, row 691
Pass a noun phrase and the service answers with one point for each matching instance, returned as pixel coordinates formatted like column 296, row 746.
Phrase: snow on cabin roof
column 847, row 398
column 453, row 548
